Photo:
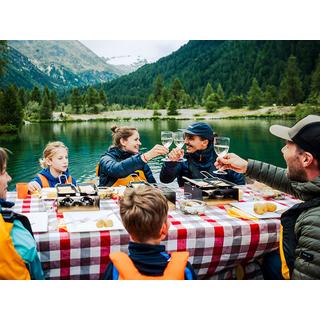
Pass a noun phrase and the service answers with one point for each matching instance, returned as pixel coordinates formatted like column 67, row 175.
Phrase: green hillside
column 233, row 64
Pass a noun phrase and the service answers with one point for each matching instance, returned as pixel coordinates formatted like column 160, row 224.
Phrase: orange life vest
column 45, row 182
column 137, row 176
column 12, row 266
column 128, row 271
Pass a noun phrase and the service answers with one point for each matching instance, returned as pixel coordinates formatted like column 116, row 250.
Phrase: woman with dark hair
column 123, row 161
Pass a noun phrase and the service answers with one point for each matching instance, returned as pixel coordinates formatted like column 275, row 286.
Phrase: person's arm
column 170, row 171
column 26, row 246
column 272, row 176
column 35, row 184
column 148, row 174
column 189, row 273
column 110, row 167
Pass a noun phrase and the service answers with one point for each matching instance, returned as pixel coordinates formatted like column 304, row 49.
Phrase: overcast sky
column 152, row 50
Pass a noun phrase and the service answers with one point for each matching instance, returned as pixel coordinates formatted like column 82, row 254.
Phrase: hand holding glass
column 166, row 140
column 178, row 138
column 221, row 148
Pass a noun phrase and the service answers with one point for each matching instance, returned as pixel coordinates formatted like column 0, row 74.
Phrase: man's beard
column 297, row 174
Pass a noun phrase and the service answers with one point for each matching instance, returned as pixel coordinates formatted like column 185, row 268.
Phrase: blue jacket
column 202, row 160
column 52, row 180
column 25, row 245
column 150, row 260
column 117, row 163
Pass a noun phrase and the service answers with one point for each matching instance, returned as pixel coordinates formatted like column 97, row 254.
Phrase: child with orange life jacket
column 144, row 212
column 19, row 259
column 55, row 168
column 123, row 161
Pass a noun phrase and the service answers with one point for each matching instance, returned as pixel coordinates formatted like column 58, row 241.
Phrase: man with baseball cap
column 299, row 249
column 200, row 156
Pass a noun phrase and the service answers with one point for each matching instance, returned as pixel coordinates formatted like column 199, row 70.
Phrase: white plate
column 247, row 207
column 38, row 221
column 79, row 221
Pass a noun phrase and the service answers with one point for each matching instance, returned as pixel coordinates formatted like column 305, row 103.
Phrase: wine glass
column 221, row 148
column 166, row 140
column 178, row 138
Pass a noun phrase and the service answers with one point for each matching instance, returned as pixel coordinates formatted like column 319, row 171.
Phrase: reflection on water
column 87, row 141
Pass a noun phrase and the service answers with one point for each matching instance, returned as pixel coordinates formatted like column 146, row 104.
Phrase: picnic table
column 218, row 244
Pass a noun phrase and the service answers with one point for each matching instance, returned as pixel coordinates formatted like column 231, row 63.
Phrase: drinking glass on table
column 221, row 147
column 166, row 140
column 178, row 138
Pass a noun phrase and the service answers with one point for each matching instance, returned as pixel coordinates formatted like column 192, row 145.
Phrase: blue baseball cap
column 201, row 129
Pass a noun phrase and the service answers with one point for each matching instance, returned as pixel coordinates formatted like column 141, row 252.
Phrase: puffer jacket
column 306, row 250
column 117, row 163
column 198, row 161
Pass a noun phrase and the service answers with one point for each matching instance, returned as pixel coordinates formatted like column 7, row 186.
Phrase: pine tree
column 36, row 95
column 291, row 91
column 45, row 108
column 11, row 111
column 75, row 100
column 212, row 103
column 22, row 97
column 53, row 100
column 158, row 88
column 207, row 92
column 236, row 102
column 102, row 97
column 3, row 57
column 254, row 95
column 92, row 100
column 314, row 96
column 220, row 94
column 176, row 90
column 270, row 95
column 172, row 108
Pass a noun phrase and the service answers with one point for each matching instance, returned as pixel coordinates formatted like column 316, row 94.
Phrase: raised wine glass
column 166, row 140
column 221, row 147
column 178, row 138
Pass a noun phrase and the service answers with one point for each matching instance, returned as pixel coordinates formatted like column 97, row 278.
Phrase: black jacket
column 198, row 161
column 117, row 163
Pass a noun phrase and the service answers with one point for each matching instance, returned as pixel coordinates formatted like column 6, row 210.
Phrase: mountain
column 59, row 64
column 23, row 73
column 232, row 63
column 127, row 64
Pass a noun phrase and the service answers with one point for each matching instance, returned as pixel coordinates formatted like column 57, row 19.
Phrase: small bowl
column 191, row 206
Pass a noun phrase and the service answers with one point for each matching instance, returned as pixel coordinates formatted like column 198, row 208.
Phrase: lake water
column 87, row 141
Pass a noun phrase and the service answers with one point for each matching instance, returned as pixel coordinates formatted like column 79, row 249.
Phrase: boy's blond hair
column 143, row 211
column 49, row 151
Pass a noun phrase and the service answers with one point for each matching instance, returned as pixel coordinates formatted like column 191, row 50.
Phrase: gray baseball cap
column 305, row 133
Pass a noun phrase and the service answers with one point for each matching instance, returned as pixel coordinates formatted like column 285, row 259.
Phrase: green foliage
column 291, row 91
column 53, row 100
column 172, row 108
column 254, row 95
column 233, row 64
column 92, row 99
column 303, row 110
column 32, row 110
column 11, row 111
column 36, row 95
column 8, row 128
column 236, row 102
column 212, row 103
column 76, row 101
column 103, row 97
column 45, row 112
column 207, row 91
column 270, row 95
column 220, row 94
column 314, row 96
column 23, row 97
column 3, row 57
column 156, row 107
column 158, row 89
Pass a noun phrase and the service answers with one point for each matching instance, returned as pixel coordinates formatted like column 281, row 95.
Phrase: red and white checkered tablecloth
column 216, row 242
